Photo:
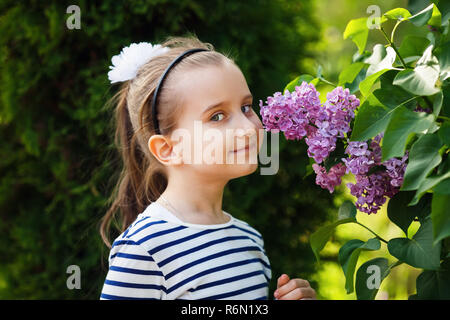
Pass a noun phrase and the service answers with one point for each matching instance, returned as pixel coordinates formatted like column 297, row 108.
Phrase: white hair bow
column 126, row 64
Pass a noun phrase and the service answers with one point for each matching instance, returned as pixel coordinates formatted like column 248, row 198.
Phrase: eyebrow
column 218, row 104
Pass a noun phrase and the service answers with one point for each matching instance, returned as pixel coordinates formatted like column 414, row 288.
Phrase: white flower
column 126, row 64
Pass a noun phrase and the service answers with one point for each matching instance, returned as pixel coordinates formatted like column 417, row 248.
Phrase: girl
column 176, row 241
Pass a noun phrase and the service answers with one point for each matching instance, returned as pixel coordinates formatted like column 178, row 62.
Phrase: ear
column 162, row 149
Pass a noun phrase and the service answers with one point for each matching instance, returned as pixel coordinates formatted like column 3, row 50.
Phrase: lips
column 246, row 148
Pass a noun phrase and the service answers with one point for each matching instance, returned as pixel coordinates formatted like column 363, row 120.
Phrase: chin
column 245, row 169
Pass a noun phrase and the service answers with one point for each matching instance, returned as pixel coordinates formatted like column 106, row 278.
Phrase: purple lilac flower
column 300, row 114
column 339, row 106
column 369, row 191
column 289, row 112
column 331, row 179
column 332, row 121
column 372, row 190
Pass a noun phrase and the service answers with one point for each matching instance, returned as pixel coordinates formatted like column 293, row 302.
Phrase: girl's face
column 217, row 123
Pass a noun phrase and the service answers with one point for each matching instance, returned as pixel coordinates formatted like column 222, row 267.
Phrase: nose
column 246, row 131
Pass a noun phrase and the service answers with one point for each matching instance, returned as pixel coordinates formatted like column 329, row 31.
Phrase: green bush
column 58, row 164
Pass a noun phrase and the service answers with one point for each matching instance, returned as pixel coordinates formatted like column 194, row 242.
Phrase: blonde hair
column 143, row 178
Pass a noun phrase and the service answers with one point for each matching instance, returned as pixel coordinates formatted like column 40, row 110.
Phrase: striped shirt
column 161, row 257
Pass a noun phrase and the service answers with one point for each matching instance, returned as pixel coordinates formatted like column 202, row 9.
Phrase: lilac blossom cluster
column 301, row 114
column 372, row 189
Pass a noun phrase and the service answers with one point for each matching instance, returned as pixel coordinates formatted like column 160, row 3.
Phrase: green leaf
column 398, row 14
column 413, row 46
column 427, row 184
column 423, row 157
column 444, row 133
column 381, row 58
column 315, row 82
column 335, row 156
column 371, row 119
column 347, row 210
column 436, row 17
column 434, row 284
column 445, row 110
column 369, row 277
column 443, row 187
column 421, row 81
column 319, row 238
column 375, row 113
column 444, row 61
column 403, row 122
column 367, row 83
column 297, row 82
column 444, row 7
column 348, row 257
column 358, row 31
column 403, row 216
column 432, row 181
column 437, row 104
column 419, row 251
column 346, row 214
column 422, row 17
column 392, row 96
column 319, row 72
column 440, row 214
column 349, row 73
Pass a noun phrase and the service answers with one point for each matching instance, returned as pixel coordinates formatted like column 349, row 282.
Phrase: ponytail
column 133, row 191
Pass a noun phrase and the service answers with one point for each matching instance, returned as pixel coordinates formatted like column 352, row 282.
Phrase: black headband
column 155, row 95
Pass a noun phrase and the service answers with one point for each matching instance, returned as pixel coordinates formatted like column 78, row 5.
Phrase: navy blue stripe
column 132, row 256
column 234, row 293
column 136, row 271
column 178, row 241
column 142, row 220
column 210, row 257
column 112, row 297
column 202, row 246
column 134, row 285
column 120, row 242
column 227, row 280
column 126, row 231
column 265, row 264
column 146, row 226
column 159, row 233
column 262, row 298
column 212, row 270
column 251, row 232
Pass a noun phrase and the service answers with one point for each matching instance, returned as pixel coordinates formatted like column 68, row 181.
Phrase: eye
column 249, row 106
column 216, row 115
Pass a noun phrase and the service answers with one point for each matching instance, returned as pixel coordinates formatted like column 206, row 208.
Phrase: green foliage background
column 58, row 164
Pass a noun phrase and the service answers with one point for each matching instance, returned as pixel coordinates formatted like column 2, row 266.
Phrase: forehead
column 208, row 85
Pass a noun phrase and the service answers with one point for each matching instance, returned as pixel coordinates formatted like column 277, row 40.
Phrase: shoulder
column 246, row 227
column 136, row 237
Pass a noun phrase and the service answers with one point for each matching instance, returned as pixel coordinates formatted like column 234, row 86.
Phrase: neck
column 196, row 200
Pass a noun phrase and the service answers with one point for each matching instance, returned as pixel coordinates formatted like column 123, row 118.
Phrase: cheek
column 259, row 132
column 215, row 148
